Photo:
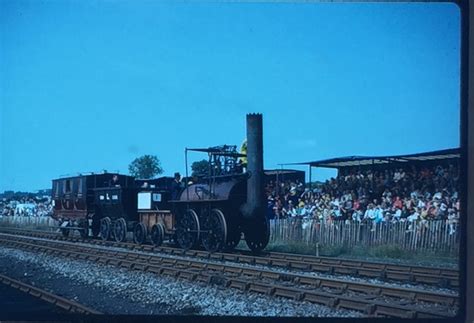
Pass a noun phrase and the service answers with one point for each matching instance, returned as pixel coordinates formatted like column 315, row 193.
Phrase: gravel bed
column 375, row 281
column 114, row 290
column 282, row 270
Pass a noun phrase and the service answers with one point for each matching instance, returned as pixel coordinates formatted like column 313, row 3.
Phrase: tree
column 145, row 167
column 200, row 168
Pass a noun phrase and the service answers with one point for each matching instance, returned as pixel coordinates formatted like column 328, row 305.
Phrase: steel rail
column 64, row 303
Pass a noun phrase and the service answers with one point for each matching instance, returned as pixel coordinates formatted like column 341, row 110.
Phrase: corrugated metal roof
column 349, row 161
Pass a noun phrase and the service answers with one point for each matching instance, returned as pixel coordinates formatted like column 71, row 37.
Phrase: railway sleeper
column 65, row 305
column 215, row 256
column 114, row 262
column 233, row 270
column 155, row 269
column 431, row 279
column 308, row 281
column 391, row 311
column 397, row 268
column 275, row 276
column 230, row 257
column 323, row 299
column 263, row 261
column 215, row 267
column 447, row 300
column 288, row 293
column 261, row 288
column 203, row 277
column 190, row 253
column 403, row 276
column 353, row 304
column 322, row 268
column 126, row 264
column 251, row 272
column 246, row 259
column 238, row 284
column 426, row 271
column 281, row 263
column 345, row 271
column 144, row 258
column 399, row 294
column 202, row 254
column 140, row 266
column 430, row 314
column 187, row 275
column 169, row 272
column 300, row 265
column 368, row 273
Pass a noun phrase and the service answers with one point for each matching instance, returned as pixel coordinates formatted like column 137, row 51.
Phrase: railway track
column 443, row 277
column 371, row 299
column 66, row 304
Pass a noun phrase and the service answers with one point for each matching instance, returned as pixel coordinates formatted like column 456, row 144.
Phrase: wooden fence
column 432, row 236
column 32, row 222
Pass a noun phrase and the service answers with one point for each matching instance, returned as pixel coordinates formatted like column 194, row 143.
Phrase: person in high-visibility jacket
column 243, row 150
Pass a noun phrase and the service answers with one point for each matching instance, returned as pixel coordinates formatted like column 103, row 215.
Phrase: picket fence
column 32, row 222
column 432, row 236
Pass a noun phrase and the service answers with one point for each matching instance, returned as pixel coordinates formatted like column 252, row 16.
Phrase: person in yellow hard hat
column 243, row 150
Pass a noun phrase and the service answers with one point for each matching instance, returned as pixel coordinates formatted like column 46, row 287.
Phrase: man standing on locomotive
column 176, row 186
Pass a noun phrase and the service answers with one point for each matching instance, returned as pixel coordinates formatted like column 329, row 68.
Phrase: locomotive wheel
column 139, row 233
column 84, row 231
column 157, row 234
column 120, row 230
column 257, row 234
column 214, row 228
column 187, row 229
column 105, row 228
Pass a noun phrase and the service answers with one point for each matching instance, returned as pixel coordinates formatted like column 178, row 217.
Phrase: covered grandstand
column 349, row 163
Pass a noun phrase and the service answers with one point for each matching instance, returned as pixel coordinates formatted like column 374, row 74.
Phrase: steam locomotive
column 213, row 212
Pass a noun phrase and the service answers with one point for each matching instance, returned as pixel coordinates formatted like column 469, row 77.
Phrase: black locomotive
column 213, row 211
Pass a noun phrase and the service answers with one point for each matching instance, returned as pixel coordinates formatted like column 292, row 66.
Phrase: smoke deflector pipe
column 255, row 205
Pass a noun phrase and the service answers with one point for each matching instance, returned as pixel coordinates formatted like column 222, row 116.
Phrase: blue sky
column 90, row 85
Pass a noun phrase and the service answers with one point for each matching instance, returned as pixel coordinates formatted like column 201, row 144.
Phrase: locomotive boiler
column 216, row 213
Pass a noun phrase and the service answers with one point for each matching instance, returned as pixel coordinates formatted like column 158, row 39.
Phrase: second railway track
column 374, row 300
column 443, row 277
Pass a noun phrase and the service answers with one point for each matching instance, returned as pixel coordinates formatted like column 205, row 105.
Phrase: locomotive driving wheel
column 214, row 228
column 139, row 233
column 157, row 234
column 188, row 229
column 257, row 234
column 105, row 228
column 120, row 230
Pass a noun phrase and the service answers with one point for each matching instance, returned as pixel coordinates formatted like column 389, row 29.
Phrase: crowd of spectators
column 26, row 206
column 401, row 194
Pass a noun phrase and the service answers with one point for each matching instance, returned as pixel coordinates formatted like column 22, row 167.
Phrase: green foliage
column 375, row 253
column 200, row 168
column 145, row 167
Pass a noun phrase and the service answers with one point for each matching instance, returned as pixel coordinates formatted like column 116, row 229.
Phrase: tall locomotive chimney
column 255, row 206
